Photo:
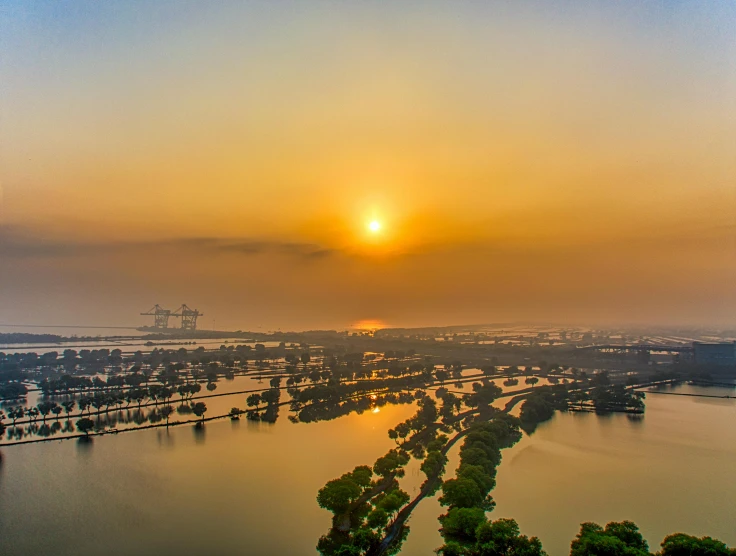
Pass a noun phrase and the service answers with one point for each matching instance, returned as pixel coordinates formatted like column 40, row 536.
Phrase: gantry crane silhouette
column 188, row 317
column 161, row 317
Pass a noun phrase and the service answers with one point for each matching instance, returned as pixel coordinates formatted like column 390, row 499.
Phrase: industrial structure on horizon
column 715, row 353
column 701, row 353
column 161, row 317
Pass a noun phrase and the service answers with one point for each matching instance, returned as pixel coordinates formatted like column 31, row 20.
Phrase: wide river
column 249, row 489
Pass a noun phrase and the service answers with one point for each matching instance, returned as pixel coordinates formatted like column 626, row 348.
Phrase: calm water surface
column 673, row 470
column 248, row 488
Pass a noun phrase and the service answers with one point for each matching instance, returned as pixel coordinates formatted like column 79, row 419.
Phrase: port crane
column 188, row 317
column 161, row 317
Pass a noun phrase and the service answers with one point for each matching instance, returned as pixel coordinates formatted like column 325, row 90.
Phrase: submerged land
column 479, row 388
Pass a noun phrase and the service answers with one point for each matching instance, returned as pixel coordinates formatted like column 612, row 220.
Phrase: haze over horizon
column 313, row 165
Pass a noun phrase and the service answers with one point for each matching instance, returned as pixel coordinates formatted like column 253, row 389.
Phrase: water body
column 250, row 488
column 218, row 403
column 129, row 344
column 671, row 471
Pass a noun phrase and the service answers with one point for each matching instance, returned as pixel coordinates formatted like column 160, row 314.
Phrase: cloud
column 255, row 247
column 16, row 243
column 19, row 243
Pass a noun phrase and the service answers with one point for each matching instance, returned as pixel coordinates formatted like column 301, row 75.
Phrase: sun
column 374, row 226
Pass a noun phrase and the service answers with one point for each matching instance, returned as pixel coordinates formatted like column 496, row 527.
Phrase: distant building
column 715, row 354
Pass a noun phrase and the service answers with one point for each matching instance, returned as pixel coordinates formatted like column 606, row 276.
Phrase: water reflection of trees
column 362, row 526
column 168, row 387
column 120, row 403
column 112, row 392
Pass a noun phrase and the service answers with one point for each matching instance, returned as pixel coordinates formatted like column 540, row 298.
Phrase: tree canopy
column 470, row 533
column 616, row 539
column 681, row 544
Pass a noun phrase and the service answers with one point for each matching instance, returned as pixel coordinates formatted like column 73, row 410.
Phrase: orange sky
column 544, row 161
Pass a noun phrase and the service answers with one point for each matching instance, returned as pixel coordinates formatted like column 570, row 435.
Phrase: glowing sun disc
column 374, row 226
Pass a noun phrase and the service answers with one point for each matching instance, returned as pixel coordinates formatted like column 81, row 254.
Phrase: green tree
column 166, row 412
column 460, row 524
column 361, row 476
column 392, row 501
column 68, row 406
column 503, row 538
column 56, row 409
column 483, row 394
column 85, row 425
column 616, row 539
column 199, row 409
column 680, row 544
column 17, row 413
column 253, row 400
column 338, row 494
column 45, row 408
column 378, row 518
column 478, row 475
column 461, row 493
column 392, row 462
column 434, row 464
column 305, row 359
column 467, row 532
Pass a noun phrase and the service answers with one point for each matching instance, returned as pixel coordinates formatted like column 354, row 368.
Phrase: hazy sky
column 558, row 161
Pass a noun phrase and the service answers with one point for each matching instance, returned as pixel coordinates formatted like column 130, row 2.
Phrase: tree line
column 503, row 538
